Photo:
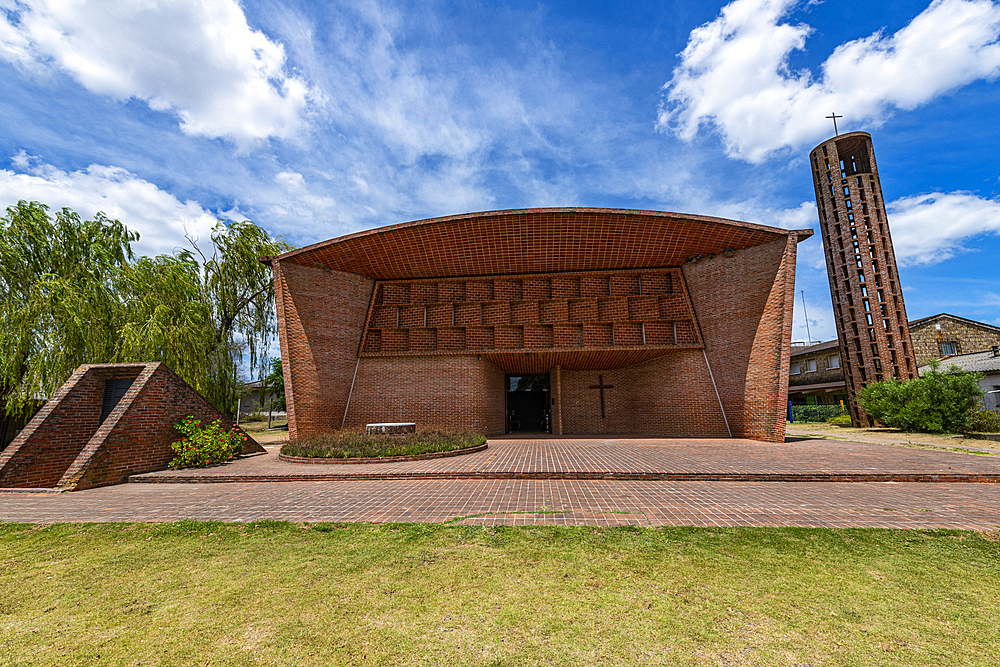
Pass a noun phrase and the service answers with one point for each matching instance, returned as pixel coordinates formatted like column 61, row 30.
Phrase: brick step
column 945, row 478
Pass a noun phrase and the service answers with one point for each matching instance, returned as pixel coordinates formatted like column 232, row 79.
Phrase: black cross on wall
column 600, row 386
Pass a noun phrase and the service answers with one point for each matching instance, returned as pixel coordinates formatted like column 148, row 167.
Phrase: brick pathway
column 569, row 501
column 833, row 505
column 635, row 459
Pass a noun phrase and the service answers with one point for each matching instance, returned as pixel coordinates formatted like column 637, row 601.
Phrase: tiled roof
column 928, row 320
column 974, row 362
column 815, row 387
column 534, row 241
column 798, row 351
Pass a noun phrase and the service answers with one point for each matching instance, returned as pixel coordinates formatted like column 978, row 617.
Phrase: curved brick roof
column 533, row 241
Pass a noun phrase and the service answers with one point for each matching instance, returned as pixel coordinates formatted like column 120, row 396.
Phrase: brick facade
column 672, row 396
column 967, row 336
column 423, row 321
column 65, row 445
column 431, row 391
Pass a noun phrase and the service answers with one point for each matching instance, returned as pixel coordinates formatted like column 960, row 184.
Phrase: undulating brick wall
column 321, row 315
column 65, row 446
column 744, row 308
column 613, row 309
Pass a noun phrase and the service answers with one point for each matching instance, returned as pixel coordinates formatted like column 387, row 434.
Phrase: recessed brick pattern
column 623, row 303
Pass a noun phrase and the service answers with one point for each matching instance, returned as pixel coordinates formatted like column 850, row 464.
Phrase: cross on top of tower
column 834, row 117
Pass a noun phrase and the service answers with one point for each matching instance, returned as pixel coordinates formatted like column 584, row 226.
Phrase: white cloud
column 734, row 73
column 930, row 228
column 420, row 125
column 294, row 200
column 196, row 58
column 160, row 218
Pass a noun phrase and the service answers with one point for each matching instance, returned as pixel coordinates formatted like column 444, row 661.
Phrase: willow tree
column 239, row 291
column 76, row 295
column 60, row 305
column 166, row 317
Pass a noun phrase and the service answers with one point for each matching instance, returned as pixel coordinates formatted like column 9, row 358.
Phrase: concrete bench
column 397, row 428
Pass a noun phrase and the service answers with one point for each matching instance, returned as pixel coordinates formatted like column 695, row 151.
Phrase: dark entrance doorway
column 528, row 403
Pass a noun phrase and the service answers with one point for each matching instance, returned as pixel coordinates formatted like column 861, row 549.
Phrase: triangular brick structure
column 108, row 421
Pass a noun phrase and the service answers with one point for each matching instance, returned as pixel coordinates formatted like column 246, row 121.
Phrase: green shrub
column 985, row 421
column 202, row 447
column 814, row 413
column 355, row 444
column 840, row 420
column 937, row 402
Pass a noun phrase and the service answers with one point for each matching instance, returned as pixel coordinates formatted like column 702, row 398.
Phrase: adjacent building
column 945, row 335
column 565, row 320
column 816, row 375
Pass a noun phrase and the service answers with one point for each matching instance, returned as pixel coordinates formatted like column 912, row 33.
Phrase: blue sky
column 319, row 119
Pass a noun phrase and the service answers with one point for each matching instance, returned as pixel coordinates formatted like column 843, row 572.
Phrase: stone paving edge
column 930, row 478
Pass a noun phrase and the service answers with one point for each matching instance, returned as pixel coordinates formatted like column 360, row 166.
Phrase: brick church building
column 563, row 320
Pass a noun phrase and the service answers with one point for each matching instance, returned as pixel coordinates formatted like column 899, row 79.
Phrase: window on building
column 833, row 361
column 948, row 349
column 794, row 368
column 810, row 366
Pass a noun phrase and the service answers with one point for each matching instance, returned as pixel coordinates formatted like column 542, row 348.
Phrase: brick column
column 861, row 265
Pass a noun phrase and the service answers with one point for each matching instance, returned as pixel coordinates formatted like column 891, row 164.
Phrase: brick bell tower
column 867, row 297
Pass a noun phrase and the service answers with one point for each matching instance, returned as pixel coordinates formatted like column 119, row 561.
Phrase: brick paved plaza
column 511, row 500
column 676, row 459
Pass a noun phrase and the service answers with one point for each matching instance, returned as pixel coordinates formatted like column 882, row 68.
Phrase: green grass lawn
column 401, row 594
